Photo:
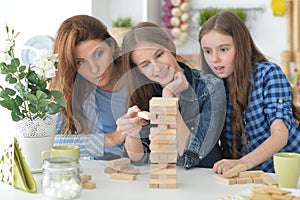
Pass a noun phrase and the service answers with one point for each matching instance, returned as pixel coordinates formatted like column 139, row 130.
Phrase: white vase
column 34, row 137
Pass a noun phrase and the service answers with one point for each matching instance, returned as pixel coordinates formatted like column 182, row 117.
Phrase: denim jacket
column 203, row 108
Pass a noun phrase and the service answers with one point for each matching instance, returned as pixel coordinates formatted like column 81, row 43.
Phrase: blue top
column 106, row 106
column 271, row 98
column 97, row 104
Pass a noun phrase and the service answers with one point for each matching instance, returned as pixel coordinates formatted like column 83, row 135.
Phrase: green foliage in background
column 205, row 14
column 122, row 22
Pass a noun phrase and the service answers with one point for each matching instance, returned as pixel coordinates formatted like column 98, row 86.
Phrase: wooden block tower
column 163, row 157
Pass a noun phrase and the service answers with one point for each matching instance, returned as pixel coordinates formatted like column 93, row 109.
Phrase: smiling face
column 155, row 62
column 219, row 53
column 95, row 62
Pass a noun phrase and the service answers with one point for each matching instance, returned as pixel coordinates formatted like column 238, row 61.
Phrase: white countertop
column 196, row 183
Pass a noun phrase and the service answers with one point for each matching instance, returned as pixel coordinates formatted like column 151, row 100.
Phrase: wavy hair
column 71, row 32
column 247, row 53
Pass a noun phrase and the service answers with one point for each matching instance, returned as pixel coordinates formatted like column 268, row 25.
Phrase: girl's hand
column 130, row 124
column 225, row 164
column 174, row 88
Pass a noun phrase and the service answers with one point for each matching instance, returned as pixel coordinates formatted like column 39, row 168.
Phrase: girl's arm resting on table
column 277, row 140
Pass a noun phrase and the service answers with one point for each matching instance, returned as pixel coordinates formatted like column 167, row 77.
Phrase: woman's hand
column 130, row 124
column 174, row 88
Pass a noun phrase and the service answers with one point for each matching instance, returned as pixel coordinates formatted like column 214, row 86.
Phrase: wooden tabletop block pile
column 271, row 193
column 86, row 181
column 120, row 169
column 239, row 175
column 163, row 157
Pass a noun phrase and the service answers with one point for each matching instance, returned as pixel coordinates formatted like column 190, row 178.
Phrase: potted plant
column 119, row 27
column 205, row 14
column 26, row 96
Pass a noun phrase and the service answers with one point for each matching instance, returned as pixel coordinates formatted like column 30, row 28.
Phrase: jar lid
column 60, row 162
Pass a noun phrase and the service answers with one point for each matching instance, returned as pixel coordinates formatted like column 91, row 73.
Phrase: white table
column 196, row 183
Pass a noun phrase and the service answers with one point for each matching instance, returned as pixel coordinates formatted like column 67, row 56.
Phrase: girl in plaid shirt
column 261, row 119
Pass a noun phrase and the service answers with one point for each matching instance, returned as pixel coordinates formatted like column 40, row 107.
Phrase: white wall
column 35, row 17
column 268, row 31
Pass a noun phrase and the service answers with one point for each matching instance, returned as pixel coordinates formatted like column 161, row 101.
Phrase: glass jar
column 61, row 179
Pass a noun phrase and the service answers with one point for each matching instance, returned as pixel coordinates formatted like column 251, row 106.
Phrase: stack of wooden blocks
column 120, row 169
column 239, row 175
column 163, row 157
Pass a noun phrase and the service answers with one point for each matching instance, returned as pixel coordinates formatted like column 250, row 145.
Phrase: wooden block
column 222, row 179
column 85, row 178
column 144, row 114
column 123, row 176
column 163, row 119
column 163, row 147
column 121, row 167
column 118, row 162
column 156, row 167
column 163, row 157
column 268, row 179
column 89, row 185
column 243, row 180
column 109, row 170
column 162, row 181
column 163, row 141
column 130, row 170
column 235, row 171
column 162, row 137
column 257, row 180
column 158, row 130
column 162, row 176
column 163, row 101
column 167, row 186
column 252, row 174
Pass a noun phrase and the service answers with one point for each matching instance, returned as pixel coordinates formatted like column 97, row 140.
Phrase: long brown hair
column 71, row 32
column 230, row 24
column 140, row 88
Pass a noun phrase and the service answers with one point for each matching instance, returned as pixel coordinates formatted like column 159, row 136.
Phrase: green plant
column 122, row 22
column 205, row 14
column 28, row 96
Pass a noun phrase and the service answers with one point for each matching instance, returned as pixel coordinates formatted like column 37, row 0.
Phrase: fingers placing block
column 144, row 114
column 234, row 171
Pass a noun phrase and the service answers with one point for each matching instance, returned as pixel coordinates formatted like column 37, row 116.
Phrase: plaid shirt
column 271, row 99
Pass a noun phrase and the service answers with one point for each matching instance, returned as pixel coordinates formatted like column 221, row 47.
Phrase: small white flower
column 6, row 46
column 5, row 58
column 44, row 64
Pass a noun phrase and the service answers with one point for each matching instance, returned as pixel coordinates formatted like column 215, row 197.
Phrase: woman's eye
column 159, row 54
column 98, row 54
column 81, row 62
column 144, row 65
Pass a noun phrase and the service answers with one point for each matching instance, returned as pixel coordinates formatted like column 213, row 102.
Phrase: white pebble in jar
column 61, row 179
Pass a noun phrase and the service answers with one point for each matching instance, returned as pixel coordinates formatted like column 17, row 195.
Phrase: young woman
column 150, row 56
column 89, row 67
column 260, row 119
